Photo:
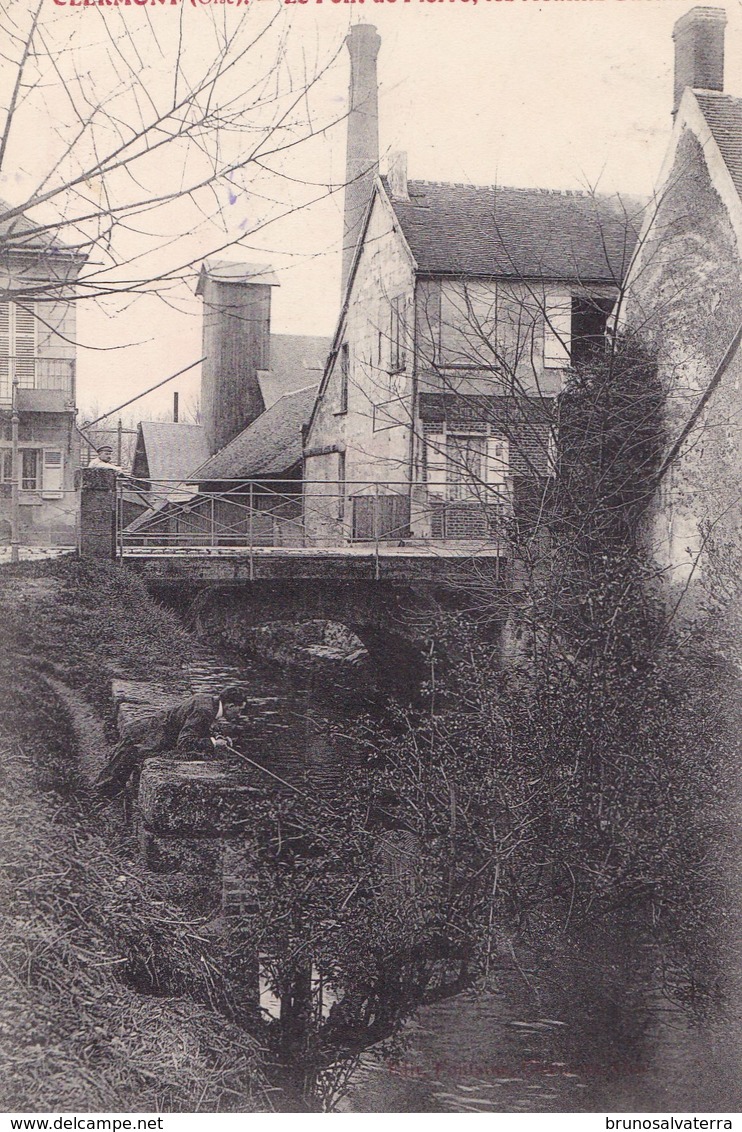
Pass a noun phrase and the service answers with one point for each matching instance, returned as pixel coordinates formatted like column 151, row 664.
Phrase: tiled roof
column 724, row 116
column 533, row 233
column 270, row 446
column 173, row 449
column 297, row 361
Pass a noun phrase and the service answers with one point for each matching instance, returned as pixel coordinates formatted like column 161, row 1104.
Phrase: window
column 466, row 466
column 53, row 472
column 469, row 325
column 17, row 341
column 32, row 461
column 465, row 456
column 557, row 329
column 341, row 486
column 344, row 377
column 589, row 319
column 30, row 469
column 397, row 335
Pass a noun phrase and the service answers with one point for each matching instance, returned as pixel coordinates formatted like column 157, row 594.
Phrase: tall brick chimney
column 236, row 346
column 699, row 51
column 362, row 155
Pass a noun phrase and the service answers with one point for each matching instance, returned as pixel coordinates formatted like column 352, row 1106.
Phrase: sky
column 565, row 94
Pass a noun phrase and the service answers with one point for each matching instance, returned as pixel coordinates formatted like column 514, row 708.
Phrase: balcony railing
column 248, row 515
column 36, row 373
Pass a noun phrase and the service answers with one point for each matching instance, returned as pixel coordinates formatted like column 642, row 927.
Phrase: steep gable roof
column 18, row 234
column 297, row 360
column 723, row 114
column 458, row 229
column 270, row 446
column 714, row 119
column 172, row 449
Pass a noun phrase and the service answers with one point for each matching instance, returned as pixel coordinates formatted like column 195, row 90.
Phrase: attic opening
column 589, row 321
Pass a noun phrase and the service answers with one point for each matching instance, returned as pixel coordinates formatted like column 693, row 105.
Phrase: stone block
column 196, row 799
column 134, row 699
column 128, row 713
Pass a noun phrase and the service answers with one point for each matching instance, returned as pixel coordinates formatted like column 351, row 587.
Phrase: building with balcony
column 463, row 307
column 37, row 382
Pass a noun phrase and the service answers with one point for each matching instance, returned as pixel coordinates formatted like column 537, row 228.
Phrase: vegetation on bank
column 588, row 776
column 113, row 997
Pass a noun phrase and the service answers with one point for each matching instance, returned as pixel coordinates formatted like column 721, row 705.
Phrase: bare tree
column 120, row 134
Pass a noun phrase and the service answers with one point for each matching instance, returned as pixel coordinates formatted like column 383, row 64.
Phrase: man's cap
column 105, row 448
column 233, row 695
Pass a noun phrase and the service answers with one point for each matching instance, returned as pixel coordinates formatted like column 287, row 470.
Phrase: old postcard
column 370, row 476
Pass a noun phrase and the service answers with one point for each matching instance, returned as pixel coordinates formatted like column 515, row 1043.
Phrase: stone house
column 462, row 308
column 37, row 378
column 684, row 296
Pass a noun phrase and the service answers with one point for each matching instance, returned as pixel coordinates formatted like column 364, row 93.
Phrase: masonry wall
column 236, row 344
column 686, row 302
column 366, row 441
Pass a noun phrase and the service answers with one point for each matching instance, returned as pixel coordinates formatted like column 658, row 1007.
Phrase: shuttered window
column 18, row 327
column 557, row 329
column 53, row 472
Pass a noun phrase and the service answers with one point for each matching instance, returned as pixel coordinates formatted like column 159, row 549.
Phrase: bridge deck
column 430, row 562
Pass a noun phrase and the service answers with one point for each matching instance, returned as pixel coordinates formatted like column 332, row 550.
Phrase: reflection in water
column 585, row 1035
column 626, row 1021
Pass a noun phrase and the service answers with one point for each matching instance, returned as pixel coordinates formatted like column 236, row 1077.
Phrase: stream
column 622, row 1024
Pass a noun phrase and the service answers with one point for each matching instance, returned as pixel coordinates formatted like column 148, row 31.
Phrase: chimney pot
column 699, row 51
column 397, row 175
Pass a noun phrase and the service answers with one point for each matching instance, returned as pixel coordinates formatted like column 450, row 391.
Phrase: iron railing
column 169, row 517
column 36, row 373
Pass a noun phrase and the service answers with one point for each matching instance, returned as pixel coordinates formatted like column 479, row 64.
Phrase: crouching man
column 185, row 728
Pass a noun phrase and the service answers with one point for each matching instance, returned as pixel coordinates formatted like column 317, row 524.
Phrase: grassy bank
column 85, row 927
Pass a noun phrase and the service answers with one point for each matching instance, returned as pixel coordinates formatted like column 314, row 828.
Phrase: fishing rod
column 265, row 770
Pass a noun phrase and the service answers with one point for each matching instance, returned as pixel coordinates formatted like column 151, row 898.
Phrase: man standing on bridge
column 185, row 728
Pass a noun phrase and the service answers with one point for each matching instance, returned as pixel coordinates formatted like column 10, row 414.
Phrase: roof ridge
column 717, row 93
column 511, row 189
column 288, row 393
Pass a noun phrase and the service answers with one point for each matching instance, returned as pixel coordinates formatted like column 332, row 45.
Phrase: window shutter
column 4, row 341
column 498, row 461
column 52, row 476
column 24, row 346
column 557, row 330
column 435, row 456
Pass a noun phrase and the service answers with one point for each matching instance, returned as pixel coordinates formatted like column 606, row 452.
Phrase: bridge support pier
column 97, row 538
